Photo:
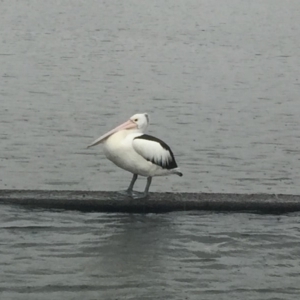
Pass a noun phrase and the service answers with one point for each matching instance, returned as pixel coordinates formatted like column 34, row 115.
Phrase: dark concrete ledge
column 156, row 202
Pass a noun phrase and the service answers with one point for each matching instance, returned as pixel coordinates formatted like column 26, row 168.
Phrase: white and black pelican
column 141, row 154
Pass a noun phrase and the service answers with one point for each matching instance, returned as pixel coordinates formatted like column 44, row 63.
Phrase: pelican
column 141, row 154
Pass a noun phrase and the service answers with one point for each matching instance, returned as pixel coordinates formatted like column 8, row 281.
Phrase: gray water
column 69, row 255
column 220, row 81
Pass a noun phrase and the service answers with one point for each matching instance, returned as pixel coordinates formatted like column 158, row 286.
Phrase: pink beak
column 127, row 125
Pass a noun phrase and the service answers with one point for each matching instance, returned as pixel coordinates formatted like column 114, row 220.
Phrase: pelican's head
column 137, row 122
column 141, row 121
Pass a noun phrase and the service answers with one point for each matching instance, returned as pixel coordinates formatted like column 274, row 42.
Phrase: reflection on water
column 115, row 256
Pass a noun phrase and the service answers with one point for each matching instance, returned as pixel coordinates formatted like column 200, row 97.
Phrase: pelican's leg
column 149, row 179
column 133, row 180
column 129, row 191
column 138, row 195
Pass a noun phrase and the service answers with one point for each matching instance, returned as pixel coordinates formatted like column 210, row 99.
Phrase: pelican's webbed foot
column 139, row 195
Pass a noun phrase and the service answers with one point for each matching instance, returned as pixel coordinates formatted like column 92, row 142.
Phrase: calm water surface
column 220, row 80
column 69, row 255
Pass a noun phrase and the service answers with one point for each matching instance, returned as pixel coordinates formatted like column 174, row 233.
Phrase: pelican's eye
column 135, row 120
